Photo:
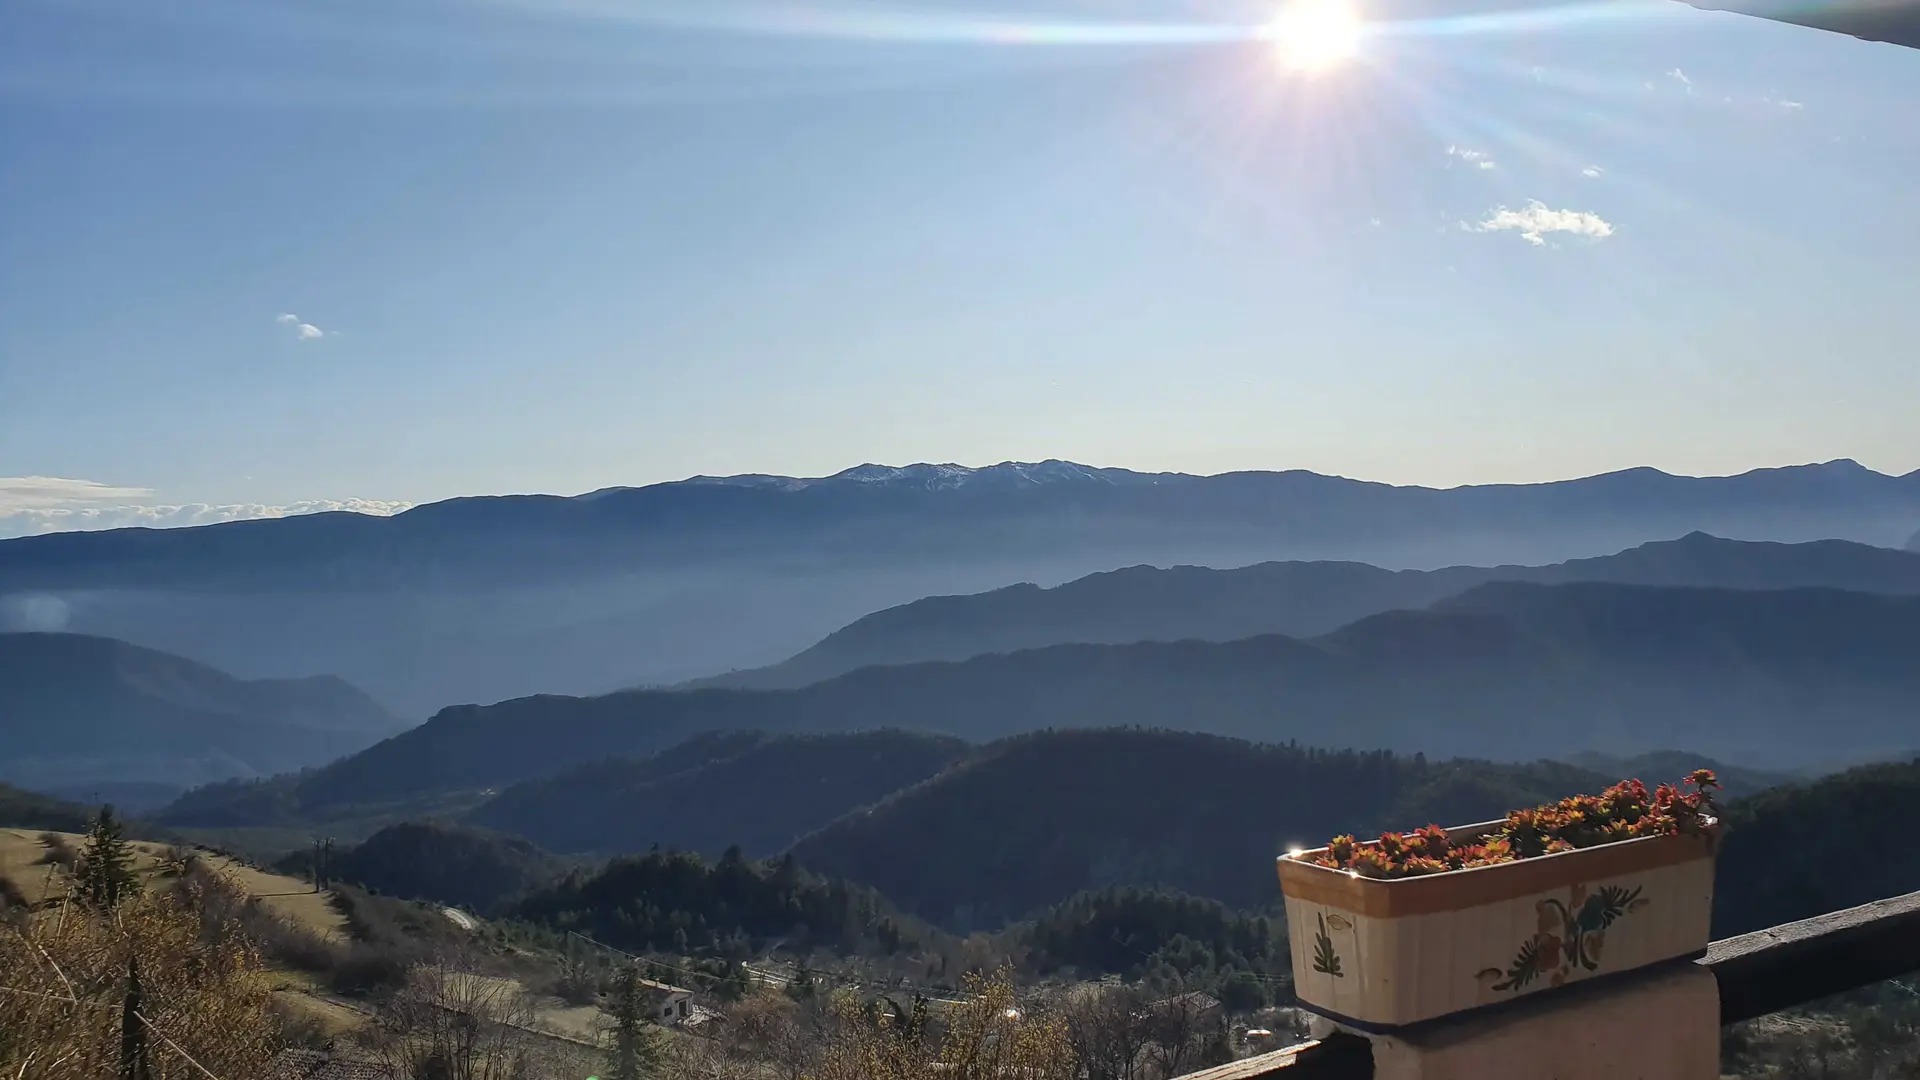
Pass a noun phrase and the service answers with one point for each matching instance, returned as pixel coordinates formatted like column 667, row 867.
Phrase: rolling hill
column 1206, row 816
column 1805, row 849
column 485, row 599
column 80, row 712
column 1508, row 671
column 756, row 792
column 1035, row 819
column 1144, row 603
column 22, row 809
column 447, row 864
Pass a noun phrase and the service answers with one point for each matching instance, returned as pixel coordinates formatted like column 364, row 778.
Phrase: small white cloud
column 1789, row 104
column 304, row 331
column 1593, row 172
column 73, row 516
column 41, row 504
column 1537, row 220
column 48, row 492
column 1477, row 158
column 1681, row 77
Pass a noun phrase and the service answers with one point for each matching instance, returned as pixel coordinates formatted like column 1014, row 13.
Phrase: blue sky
column 554, row 245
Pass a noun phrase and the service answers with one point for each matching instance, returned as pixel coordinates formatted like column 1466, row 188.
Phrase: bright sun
column 1314, row 35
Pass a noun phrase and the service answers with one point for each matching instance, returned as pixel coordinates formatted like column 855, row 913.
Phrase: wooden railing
column 1758, row 973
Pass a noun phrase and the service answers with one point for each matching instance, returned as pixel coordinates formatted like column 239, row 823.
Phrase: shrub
column 60, row 851
column 366, row 970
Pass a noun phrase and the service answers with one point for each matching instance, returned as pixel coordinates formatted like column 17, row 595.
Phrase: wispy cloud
column 1479, row 159
column 304, row 331
column 37, row 492
column 1536, row 220
column 31, row 505
column 1681, row 77
column 1593, row 172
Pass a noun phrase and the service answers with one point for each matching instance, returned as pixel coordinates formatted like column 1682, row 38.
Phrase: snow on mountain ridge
column 938, row 477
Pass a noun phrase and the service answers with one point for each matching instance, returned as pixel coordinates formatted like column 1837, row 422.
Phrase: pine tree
column 636, row 1051
column 106, row 863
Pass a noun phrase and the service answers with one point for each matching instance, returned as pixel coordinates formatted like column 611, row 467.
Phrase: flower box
column 1378, row 954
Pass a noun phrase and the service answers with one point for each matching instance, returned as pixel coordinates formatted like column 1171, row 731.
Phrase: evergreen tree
column 106, row 863
column 636, row 1050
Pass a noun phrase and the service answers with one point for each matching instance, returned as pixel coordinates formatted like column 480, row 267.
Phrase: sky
column 270, row 256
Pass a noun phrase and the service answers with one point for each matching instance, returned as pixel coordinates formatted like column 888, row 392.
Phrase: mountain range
column 1507, row 670
column 1144, row 603
column 484, row 599
column 88, row 717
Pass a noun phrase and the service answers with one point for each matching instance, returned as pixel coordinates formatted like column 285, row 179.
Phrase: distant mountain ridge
column 1507, row 670
column 947, row 477
column 526, row 534
column 77, row 710
column 491, row 598
column 1300, row 599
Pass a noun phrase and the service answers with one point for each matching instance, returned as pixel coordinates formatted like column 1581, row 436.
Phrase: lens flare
column 1314, row 35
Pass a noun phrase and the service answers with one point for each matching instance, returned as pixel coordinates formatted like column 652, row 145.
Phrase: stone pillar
column 1663, row 1024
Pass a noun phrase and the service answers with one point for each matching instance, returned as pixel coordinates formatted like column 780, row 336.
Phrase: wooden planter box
column 1381, row 954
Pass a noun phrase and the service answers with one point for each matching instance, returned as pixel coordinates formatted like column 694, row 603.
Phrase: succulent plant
column 1625, row 811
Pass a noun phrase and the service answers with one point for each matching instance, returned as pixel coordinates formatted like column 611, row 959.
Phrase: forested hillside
column 683, row 903
column 1034, row 820
column 469, row 868
column 1801, row 850
column 757, row 792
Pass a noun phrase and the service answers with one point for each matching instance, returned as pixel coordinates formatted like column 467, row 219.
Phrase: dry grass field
column 24, row 858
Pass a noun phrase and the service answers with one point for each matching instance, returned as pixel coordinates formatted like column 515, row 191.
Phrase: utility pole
column 322, row 863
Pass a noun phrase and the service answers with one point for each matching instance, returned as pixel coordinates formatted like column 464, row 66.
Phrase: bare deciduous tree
column 447, row 1024
column 772, row 1028
column 989, row 1036
column 1107, row 1028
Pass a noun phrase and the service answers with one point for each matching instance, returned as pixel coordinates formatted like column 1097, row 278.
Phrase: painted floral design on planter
column 1571, row 936
column 1325, row 960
